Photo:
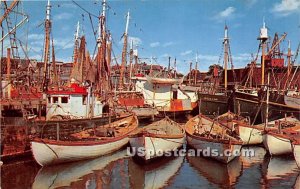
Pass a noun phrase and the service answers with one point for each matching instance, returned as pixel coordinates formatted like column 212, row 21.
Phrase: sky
column 162, row 28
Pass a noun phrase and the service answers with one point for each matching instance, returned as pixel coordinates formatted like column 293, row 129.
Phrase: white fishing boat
column 64, row 175
column 85, row 144
column 278, row 141
column 158, row 174
column 168, row 98
column 212, row 139
column 157, row 139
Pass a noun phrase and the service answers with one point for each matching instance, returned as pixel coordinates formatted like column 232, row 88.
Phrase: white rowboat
column 89, row 144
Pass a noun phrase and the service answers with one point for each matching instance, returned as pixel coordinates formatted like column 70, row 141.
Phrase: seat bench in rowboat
column 212, row 139
column 86, row 144
column 157, row 139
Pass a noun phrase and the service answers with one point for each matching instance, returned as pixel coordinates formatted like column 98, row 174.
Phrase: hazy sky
column 162, row 28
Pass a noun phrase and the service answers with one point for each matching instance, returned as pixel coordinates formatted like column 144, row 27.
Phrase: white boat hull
column 155, row 147
column 296, row 151
column 250, row 136
column 46, row 154
column 208, row 149
column 277, row 145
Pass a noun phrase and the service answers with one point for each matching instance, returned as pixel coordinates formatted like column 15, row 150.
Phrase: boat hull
column 155, row 147
column 47, row 153
column 296, row 151
column 276, row 144
column 250, row 135
column 221, row 149
column 213, row 104
column 247, row 105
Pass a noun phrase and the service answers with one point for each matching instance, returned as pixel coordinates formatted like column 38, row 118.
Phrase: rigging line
column 84, row 9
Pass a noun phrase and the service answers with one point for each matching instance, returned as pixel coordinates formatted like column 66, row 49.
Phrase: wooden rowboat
column 212, row 139
column 278, row 142
column 249, row 134
column 86, row 144
column 157, row 139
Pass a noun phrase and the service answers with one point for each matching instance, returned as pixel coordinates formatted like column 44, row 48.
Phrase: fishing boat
column 216, row 100
column 278, row 141
column 296, row 151
column 158, row 174
column 63, row 175
column 86, row 144
column 206, row 134
column 167, row 97
column 157, row 139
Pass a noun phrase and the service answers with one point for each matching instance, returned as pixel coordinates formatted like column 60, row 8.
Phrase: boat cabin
column 74, row 102
column 164, row 93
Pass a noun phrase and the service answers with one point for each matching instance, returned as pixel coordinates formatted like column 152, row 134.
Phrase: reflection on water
column 154, row 175
column 223, row 175
column 120, row 171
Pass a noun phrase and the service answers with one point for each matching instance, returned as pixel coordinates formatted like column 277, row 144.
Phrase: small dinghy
column 212, row 139
column 157, row 139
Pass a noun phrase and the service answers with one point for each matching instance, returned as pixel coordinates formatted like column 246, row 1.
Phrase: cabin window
column 84, row 99
column 175, row 94
column 64, row 99
column 55, row 99
column 49, row 99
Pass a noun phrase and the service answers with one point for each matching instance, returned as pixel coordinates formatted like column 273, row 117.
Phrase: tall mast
column 225, row 42
column 190, row 74
column 47, row 47
column 263, row 38
column 124, row 52
column 289, row 55
column 267, row 103
column 130, row 59
column 54, row 71
column 196, row 69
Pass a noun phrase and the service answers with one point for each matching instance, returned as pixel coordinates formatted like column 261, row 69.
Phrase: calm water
column 120, row 171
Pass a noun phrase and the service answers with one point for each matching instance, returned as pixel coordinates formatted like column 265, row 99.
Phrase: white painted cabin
column 72, row 103
column 165, row 96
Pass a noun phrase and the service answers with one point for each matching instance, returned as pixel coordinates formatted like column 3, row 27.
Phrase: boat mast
column 75, row 54
column 54, row 72
column 47, row 47
column 196, row 69
column 130, row 59
column 190, row 75
column 267, row 102
column 289, row 55
column 225, row 42
column 124, row 52
column 263, row 38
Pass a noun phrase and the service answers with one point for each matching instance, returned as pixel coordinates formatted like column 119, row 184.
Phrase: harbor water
column 118, row 170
